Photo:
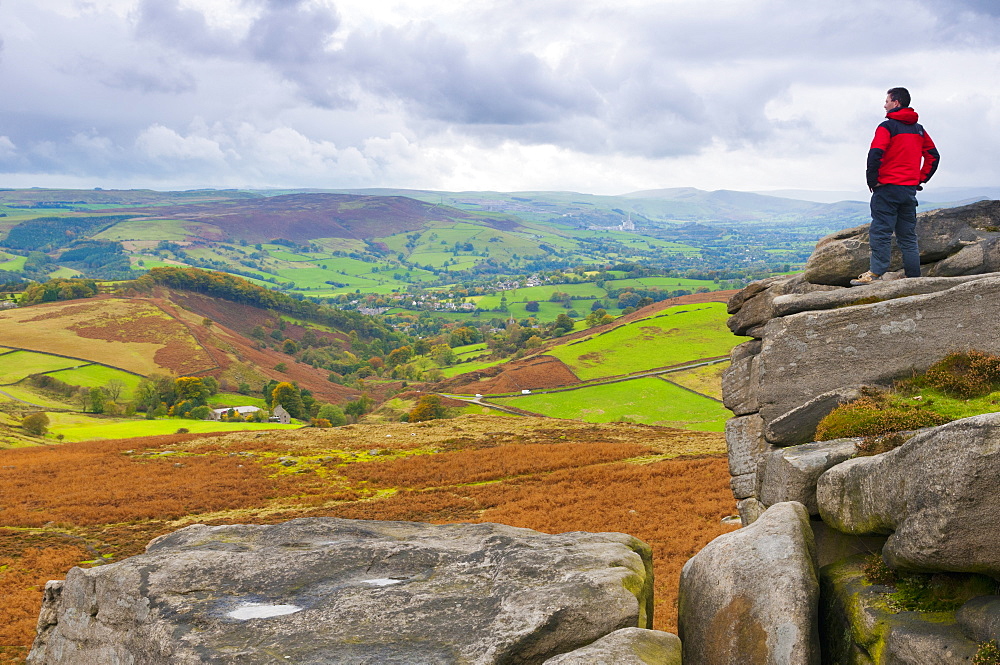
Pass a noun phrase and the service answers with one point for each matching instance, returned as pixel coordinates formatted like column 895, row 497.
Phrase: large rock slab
column 808, row 354
column 799, row 425
column 760, row 308
column 745, row 443
column 979, row 618
column 751, row 596
column 936, row 495
column 628, row 646
column 327, row 590
column 740, row 381
column 857, row 628
column 876, row 291
column 790, row 474
column 942, row 233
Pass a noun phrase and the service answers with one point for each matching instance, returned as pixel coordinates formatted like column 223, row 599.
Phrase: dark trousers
column 894, row 210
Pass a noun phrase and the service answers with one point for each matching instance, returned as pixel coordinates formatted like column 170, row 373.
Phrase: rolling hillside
column 169, row 332
column 660, row 365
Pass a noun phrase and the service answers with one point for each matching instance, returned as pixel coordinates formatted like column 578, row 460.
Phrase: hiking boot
column 865, row 278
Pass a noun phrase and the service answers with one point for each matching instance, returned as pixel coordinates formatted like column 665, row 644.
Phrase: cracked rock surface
column 325, row 590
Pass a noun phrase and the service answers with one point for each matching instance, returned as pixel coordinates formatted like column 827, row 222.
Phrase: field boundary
column 60, row 355
column 679, row 367
column 690, row 390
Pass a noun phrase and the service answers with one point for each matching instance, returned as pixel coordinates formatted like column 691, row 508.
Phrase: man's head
column 897, row 98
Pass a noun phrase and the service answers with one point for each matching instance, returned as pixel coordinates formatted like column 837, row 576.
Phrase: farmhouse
column 244, row 411
column 279, row 415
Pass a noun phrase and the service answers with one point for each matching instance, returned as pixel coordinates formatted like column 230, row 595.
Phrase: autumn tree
column 287, row 395
column 192, row 388
column 428, row 408
column 36, row 423
column 399, row 356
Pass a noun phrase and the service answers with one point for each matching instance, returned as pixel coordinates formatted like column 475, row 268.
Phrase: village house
column 279, row 415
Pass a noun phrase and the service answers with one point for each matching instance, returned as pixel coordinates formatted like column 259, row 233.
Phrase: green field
column 470, row 351
column 15, row 263
column 16, row 365
column 33, row 396
column 649, row 401
column 472, row 366
column 98, row 376
column 77, row 427
column 678, row 334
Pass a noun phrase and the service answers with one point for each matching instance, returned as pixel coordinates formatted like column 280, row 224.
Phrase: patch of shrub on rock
column 964, row 374
column 875, row 415
column 988, row 654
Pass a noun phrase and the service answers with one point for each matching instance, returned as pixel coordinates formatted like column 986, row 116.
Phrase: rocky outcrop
column 816, row 346
column 628, row 646
column 935, row 495
column 925, row 508
column 942, row 234
column 808, row 354
column 751, row 596
column 326, row 590
column 790, row 474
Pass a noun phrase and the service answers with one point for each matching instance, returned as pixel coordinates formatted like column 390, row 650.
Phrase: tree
column 359, row 407
column 332, row 413
column 96, row 400
column 287, row 395
column 192, row 388
column 428, row 408
column 563, row 323
column 399, row 356
column 531, row 306
column 36, row 424
column 596, row 317
column 114, row 389
column 200, row 412
column 442, row 354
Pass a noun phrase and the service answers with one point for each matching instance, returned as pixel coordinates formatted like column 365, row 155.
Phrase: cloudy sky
column 600, row 96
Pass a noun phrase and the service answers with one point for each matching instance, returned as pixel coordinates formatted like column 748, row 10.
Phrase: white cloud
column 162, row 143
column 567, row 94
column 7, row 147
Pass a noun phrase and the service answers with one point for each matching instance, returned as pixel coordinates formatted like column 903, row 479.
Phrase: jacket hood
column 905, row 115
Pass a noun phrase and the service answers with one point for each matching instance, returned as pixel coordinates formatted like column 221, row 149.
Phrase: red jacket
column 899, row 147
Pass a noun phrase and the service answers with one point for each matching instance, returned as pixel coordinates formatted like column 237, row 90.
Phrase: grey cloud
column 291, row 32
column 466, row 83
column 145, row 81
column 180, row 28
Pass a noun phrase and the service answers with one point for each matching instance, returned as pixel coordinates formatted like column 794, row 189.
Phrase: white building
column 244, row 411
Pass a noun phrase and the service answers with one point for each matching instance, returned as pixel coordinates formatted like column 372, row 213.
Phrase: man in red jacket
column 902, row 157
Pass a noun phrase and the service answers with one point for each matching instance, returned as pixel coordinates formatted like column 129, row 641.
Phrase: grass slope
column 16, row 365
column 678, row 334
column 650, row 401
column 78, row 427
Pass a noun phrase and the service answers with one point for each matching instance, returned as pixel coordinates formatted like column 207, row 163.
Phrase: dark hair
column 901, row 95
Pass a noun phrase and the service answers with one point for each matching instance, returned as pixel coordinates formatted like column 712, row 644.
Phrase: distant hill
column 304, row 217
